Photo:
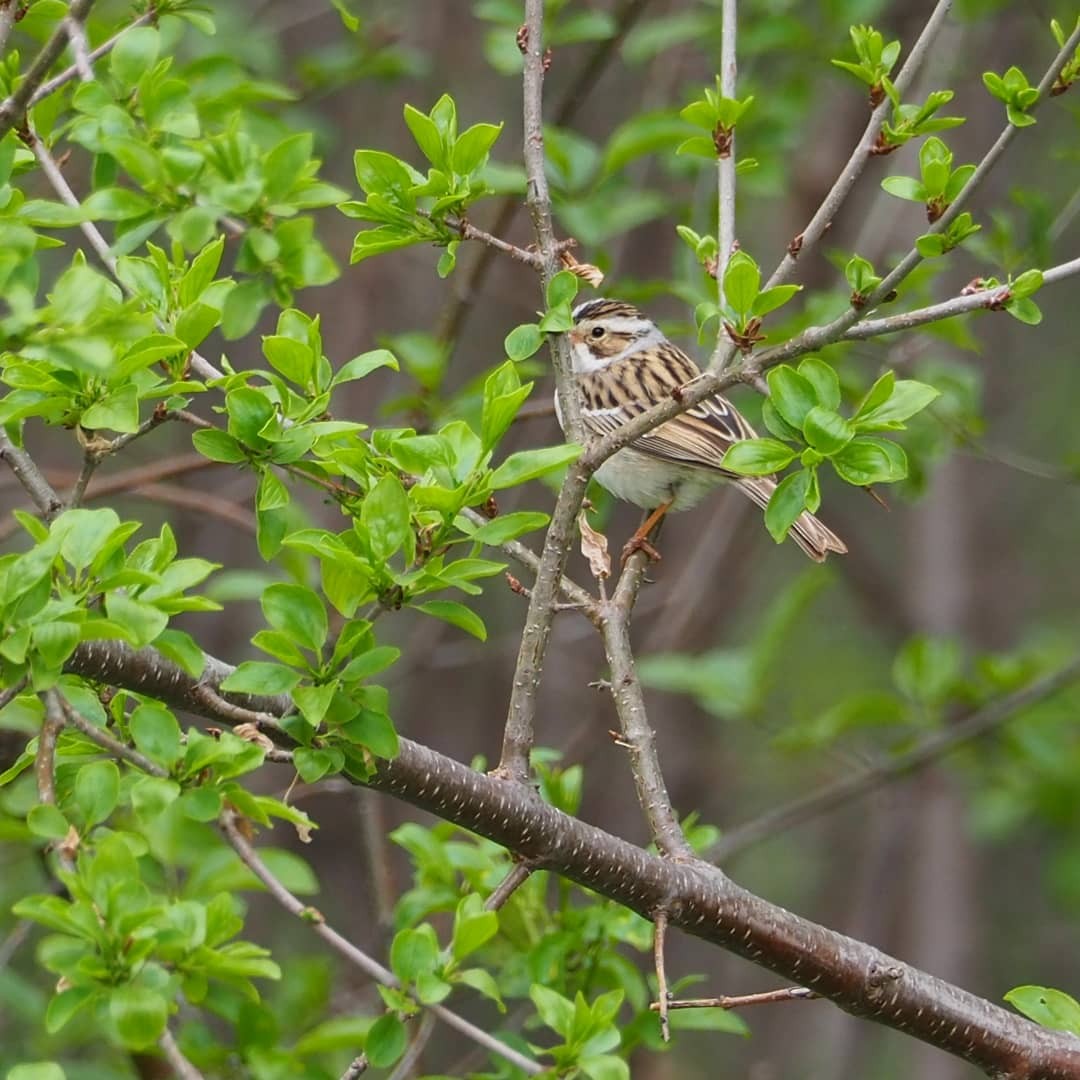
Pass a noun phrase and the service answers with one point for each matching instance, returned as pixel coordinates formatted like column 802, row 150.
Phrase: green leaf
column 529, row 464
column 46, row 1070
column 427, row 137
column 45, row 820
column 385, row 518
column 905, row 187
column 373, row 730
column 509, row 526
column 370, row 663
column 758, row 457
column 386, row 1041
column 908, row 397
column 926, row 668
column 791, row 394
column 142, row 622
column 773, row 298
column 313, row 701
column 1051, row 1008
column 457, row 615
column 823, row 378
column 414, row 952
column 472, row 928
column 869, row 460
column 742, row 279
column 562, row 288
column 826, row 430
column 156, row 733
column 472, row 147
column 556, row 1011
column 97, row 790
column 139, row 1014
column 261, row 677
column 364, row 364
column 483, row 982
column 787, row 503
column 218, row 446
column 523, row 341
column 133, row 55
column 297, row 611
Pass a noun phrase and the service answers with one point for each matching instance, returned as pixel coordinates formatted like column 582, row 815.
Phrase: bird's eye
column 598, row 332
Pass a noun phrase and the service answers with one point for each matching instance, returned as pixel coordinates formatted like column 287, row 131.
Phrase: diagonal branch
column 926, row 752
column 697, row 897
column 230, row 827
column 823, row 216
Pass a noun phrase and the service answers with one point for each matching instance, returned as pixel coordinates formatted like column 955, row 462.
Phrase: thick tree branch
column 696, row 896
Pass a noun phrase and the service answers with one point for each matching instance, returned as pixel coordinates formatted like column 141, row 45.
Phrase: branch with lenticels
column 695, row 896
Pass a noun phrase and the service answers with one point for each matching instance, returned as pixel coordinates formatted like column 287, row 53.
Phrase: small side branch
column 823, row 216
column 930, row 750
column 741, row 1001
column 181, row 1067
column 663, row 997
column 518, row 874
column 13, row 109
column 725, row 176
column 230, row 827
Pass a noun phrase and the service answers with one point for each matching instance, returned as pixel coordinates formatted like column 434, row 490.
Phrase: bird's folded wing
column 700, row 436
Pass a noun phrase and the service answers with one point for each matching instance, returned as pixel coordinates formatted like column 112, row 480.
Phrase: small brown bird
column 624, row 364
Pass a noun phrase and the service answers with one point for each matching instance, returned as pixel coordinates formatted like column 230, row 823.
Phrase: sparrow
column 624, row 364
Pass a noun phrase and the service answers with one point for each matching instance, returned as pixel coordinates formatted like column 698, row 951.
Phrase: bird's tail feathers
column 815, row 538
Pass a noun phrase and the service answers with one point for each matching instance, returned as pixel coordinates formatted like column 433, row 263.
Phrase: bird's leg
column 639, row 541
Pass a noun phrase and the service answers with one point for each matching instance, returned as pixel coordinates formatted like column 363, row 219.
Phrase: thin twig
column 109, row 742
column 740, row 1001
column 14, row 941
column 93, row 56
column 7, row 21
column 574, row 97
column 357, row 1067
column 45, row 759
column 181, row 1067
column 725, row 173
column 662, row 995
column 404, row 1068
column 199, row 364
column 13, row 109
column 207, row 695
column 926, row 752
column 823, row 216
column 77, row 40
column 517, row 875
column 8, row 695
column 372, row 968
